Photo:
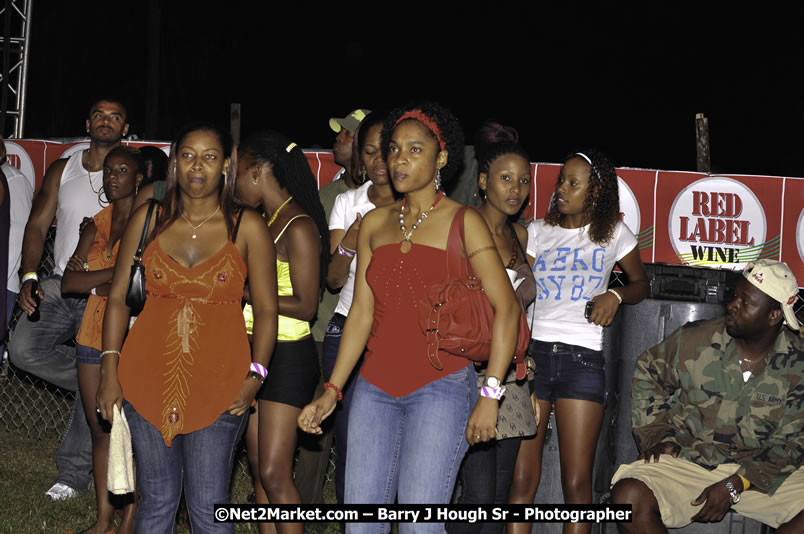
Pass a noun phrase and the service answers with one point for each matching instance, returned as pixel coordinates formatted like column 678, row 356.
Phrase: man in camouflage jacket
column 718, row 413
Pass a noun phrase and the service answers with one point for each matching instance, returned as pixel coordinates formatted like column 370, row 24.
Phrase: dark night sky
column 623, row 79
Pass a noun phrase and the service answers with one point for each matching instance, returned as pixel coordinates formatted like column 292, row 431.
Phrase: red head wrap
column 420, row 116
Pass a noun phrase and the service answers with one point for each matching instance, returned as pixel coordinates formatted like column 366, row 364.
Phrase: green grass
column 32, row 417
column 28, row 468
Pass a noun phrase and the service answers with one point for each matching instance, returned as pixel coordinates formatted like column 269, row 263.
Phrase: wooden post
column 702, row 142
column 152, row 84
column 234, row 119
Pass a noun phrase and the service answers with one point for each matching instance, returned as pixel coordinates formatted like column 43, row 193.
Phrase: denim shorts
column 568, row 372
column 88, row 355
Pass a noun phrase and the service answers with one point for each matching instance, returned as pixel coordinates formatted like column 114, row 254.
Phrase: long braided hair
column 292, row 172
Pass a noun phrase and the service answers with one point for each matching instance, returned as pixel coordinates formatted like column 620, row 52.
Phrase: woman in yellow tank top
column 274, row 175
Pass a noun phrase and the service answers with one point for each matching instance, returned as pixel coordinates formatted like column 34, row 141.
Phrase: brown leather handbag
column 457, row 316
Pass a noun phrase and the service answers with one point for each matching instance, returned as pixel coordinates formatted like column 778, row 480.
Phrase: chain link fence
column 31, row 407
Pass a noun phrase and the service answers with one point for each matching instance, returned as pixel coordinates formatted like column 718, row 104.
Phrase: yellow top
column 289, row 328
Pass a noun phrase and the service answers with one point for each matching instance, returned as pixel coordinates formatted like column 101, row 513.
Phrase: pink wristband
column 492, row 393
column 257, row 368
column 343, row 251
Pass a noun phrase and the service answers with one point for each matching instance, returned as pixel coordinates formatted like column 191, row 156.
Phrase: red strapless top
column 396, row 356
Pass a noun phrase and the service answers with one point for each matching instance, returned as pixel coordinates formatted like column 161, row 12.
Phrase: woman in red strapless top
column 410, row 423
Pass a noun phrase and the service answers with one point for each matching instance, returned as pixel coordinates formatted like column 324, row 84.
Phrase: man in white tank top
column 71, row 190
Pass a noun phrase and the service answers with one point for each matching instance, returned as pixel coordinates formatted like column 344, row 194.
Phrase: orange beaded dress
column 187, row 355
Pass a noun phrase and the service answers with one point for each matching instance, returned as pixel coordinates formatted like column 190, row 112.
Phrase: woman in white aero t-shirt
column 574, row 248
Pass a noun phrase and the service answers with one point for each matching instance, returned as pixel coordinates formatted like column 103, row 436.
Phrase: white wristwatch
column 492, row 388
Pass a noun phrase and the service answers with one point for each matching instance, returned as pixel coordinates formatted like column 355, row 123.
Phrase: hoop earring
column 101, row 194
column 437, row 182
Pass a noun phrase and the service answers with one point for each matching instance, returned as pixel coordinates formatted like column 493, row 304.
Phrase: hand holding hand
column 311, row 415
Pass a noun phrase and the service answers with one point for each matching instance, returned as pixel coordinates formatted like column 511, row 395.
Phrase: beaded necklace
column 406, row 243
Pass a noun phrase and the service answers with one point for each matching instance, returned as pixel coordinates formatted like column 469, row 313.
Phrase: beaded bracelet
column 343, row 251
column 104, row 353
column 256, row 376
column 619, row 298
column 336, row 389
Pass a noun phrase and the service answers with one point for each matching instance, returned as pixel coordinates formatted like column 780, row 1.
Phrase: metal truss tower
column 15, row 21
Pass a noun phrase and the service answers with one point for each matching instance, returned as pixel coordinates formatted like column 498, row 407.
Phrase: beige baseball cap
column 775, row 279
column 350, row 122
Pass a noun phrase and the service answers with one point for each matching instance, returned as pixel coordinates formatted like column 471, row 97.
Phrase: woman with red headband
column 410, row 423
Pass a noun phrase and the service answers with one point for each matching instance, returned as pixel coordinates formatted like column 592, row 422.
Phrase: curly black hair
column 449, row 126
column 493, row 140
column 293, row 173
column 601, row 208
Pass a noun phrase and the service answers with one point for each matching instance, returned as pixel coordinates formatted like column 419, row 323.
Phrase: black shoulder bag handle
column 135, row 295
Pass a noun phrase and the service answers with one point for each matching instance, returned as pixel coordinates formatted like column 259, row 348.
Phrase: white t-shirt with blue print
column 570, row 270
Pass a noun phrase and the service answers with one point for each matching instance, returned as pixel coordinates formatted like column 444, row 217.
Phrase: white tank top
column 76, row 201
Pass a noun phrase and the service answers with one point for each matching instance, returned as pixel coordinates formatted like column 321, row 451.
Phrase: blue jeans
column 200, row 461
column 332, row 340
column 11, row 300
column 411, row 445
column 37, row 348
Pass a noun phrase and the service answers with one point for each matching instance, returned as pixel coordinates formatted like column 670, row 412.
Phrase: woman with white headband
column 573, row 251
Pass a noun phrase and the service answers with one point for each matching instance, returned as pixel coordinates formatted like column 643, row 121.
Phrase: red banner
column 793, row 226
column 678, row 217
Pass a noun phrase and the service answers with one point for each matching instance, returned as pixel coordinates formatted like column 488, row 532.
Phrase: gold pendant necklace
column 99, row 192
column 196, row 227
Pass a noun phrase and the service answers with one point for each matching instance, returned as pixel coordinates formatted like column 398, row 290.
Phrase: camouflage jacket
column 689, row 390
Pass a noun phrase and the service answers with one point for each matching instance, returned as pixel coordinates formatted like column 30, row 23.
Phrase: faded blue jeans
column 37, row 348
column 410, row 446
column 200, row 462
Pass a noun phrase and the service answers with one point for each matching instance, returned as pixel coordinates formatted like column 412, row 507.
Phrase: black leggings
column 485, row 478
